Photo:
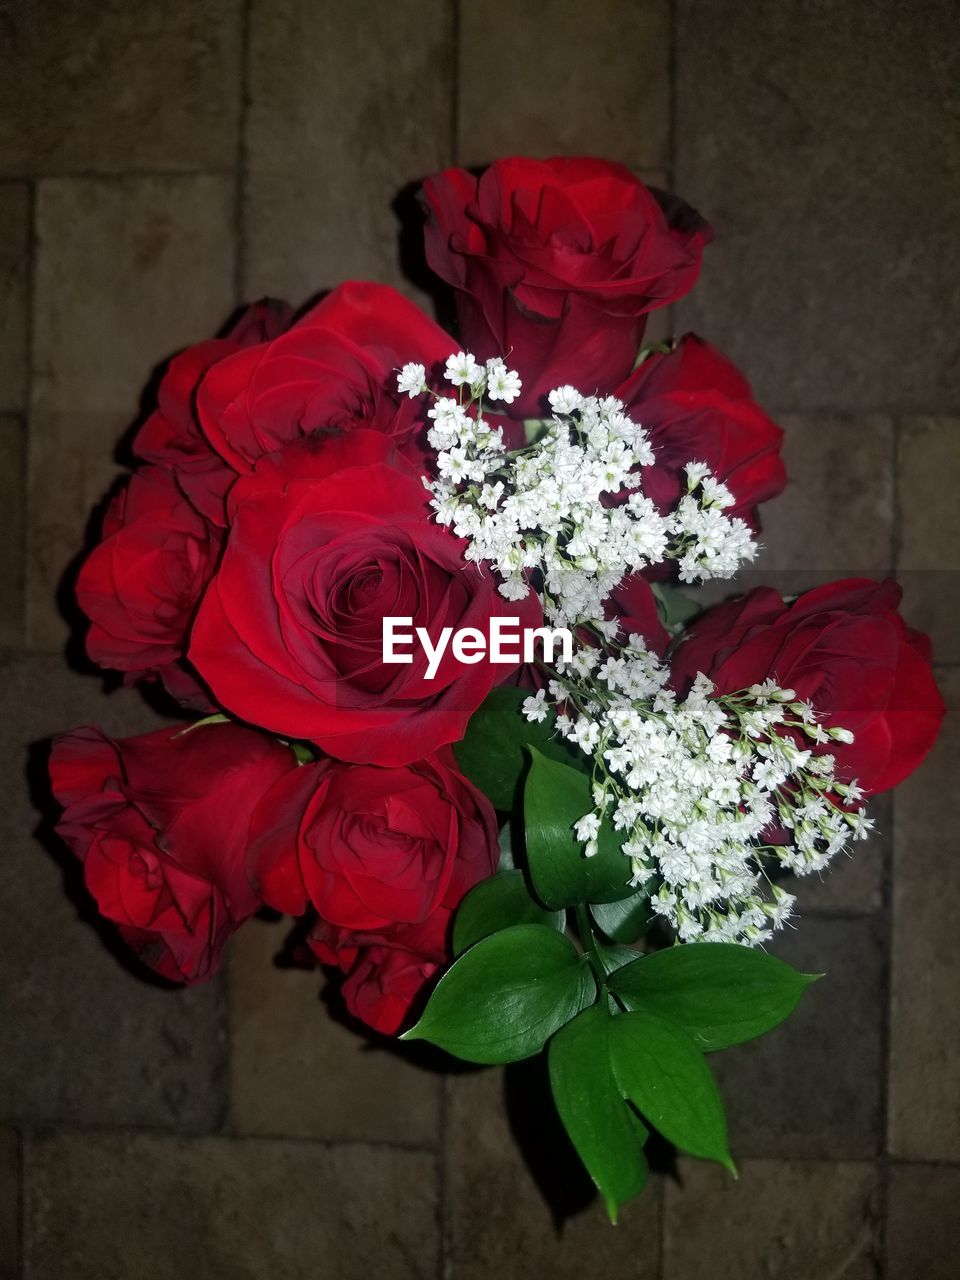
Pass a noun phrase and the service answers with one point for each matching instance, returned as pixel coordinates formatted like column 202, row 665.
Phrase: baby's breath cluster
column 696, row 785
column 570, row 506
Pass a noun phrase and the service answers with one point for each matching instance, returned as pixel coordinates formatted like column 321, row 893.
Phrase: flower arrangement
column 449, row 708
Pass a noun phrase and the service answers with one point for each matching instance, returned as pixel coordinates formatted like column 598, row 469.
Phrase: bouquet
column 452, row 706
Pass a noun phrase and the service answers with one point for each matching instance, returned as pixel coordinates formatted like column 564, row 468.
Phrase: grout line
column 855, row 413
column 886, row 1029
column 240, row 164
column 118, row 175
column 225, row 1001
column 445, row 1249
column 925, row 1162
column 41, row 1129
column 456, row 32
column 27, row 539
column 20, row 1243
column 672, row 121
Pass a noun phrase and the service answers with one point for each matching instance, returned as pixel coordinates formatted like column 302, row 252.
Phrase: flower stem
column 589, row 943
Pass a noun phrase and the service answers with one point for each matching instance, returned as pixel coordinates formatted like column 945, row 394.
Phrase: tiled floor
column 161, row 161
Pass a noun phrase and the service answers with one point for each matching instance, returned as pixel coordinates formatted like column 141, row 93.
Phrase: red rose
column 141, row 585
column 844, row 648
column 160, row 823
column 387, row 973
column 697, row 407
column 336, row 367
column 634, row 605
column 171, row 436
column 372, row 847
column 327, row 539
column 556, row 264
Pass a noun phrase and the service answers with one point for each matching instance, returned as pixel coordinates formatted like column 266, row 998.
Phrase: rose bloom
column 171, row 436
column 556, row 264
column 370, row 847
column 141, row 585
column 843, row 647
column 336, row 367
column 327, row 538
column 696, row 406
column 634, row 606
column 388, row 973
column 383, row 856
column 161, row 823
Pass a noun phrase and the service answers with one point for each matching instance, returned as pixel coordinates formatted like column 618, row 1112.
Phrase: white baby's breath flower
column 565, row 400
column 502, row 383
column 692, row 783
column 535, row 708
column 462, row 370
column 587, row 827
column 412, row 380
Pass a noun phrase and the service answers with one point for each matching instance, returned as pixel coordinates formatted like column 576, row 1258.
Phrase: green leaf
column 666, row 1077
column 720, row 993
column 607, row 1135
column 497, row 903
column 504, row 998
column 491, row 753
column 623, row 921
column 554, row 798
column 675, row 607
column 614, row 958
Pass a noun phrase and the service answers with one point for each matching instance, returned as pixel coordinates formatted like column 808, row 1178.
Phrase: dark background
column 162, row 160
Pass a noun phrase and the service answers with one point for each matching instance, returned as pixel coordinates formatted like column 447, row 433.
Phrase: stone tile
column 71, row 472
column 611, row 74
column 835, row 517
column 795, row 1220
column 924, row 1111
column 127, row 272
column 14, row 289
column 283, row 1040
column 12, row 483
column 923, row 1235
column 87, row 1039
column 108, row 1208
column 113, row 86
column 928, row 559
column 348, row 105
column 498, row 1222
column 9, row 1205
column 822, row 141
column 812, row 1087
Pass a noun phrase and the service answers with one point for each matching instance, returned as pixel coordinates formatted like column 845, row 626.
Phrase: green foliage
column 554, row 798
column 495, row 904
column 624, row 921
column 674, row 606
column 491, row 754
column 663, row 1073
column 719, row 993
column 503, row 999
column 607, row 1134
column 627, row 1032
